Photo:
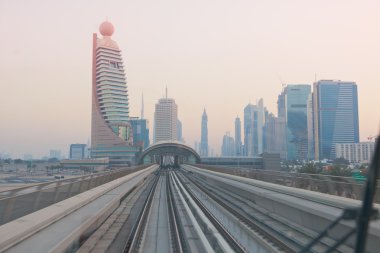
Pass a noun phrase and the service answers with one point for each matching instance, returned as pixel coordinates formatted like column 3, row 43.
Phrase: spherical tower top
column 106, row 28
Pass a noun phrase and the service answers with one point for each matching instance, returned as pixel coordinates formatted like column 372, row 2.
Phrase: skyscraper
column 140, row 132
column 110, row 130
column 281, row 105
column 228, row 145
column 204, row 135
column 238, row 150
column 336, row 120
column 254, row 119
column 248, row 129
column 275, row 135
column 179, row 131
column 165, row 120
column 297, row 117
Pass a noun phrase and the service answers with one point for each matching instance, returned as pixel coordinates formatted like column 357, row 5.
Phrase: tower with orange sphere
column 111, row 132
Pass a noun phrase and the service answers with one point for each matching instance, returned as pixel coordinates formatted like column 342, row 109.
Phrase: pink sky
column 215, row 54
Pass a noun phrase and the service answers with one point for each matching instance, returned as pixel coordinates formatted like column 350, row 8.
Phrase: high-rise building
column 254, row 118
column 335, row 114
column 248, row 129
column 275, row 135
column 238, row 144
column 77, row 151
column 111, row 132
column 297, row 117
column 140, row 129
column 281, row 105
column 228, row 145
column 310, row 128
column 165, row 120
column 179, row 131
column 204, row 135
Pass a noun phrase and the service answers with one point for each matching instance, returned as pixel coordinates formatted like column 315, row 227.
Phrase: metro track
column 133, row 242
column 288, row 237
column 176, row 210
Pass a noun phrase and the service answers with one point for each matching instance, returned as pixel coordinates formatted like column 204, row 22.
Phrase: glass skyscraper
column 140, row 132
column 296, row 117
column 238, row 144
column 254, row 120
column 336, row 120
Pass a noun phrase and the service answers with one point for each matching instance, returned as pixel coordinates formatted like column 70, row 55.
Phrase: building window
column 114, row 65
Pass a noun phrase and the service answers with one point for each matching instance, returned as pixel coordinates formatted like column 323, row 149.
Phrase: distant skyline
column 214, row 54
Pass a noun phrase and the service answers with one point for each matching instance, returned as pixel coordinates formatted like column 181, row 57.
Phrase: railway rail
column 287, row 236
column 185, row 210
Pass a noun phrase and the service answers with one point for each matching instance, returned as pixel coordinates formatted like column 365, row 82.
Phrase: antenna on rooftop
column 142, row 106
column 283, row 84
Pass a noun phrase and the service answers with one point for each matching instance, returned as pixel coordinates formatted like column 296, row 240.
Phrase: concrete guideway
column 309, row 210
column 247, row 238
column 57, row 225
column 25, row 200
column 157, row 228
column 171, row 220
column 184, row 210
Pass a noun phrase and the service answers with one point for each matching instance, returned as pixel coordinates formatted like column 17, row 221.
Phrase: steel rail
column 174, row 220
column 265, row 232
column 235, row 245
column 244, row 201
column 132, row 243
column 241, row 214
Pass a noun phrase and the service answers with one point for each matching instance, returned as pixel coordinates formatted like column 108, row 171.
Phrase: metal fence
column 335, row 185
column 22, row 201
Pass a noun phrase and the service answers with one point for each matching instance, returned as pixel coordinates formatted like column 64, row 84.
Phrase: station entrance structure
column 173, row 153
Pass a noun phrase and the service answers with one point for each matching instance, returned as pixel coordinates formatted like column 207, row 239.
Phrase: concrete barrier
column 22, row 201
column 18, row 230
column 312, row 210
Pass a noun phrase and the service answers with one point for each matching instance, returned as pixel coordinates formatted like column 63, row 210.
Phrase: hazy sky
column 218, row 54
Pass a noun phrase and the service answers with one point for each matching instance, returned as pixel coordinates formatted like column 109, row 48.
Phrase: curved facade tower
column 111, row 131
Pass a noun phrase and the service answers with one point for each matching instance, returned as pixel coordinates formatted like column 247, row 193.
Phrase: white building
column 361, row 152
column 165, row 120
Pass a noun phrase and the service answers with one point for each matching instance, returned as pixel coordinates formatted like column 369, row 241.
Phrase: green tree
column 338, row 170
column 308, row 168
